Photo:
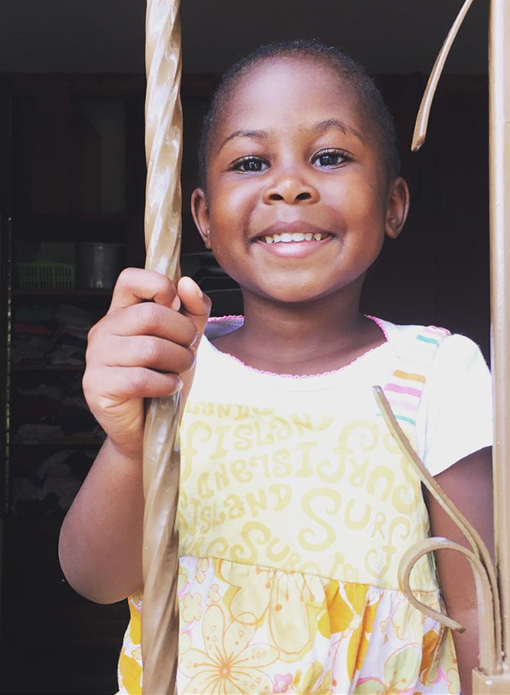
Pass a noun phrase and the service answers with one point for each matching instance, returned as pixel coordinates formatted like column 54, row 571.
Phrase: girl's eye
column 331, row 158
column 250, row 165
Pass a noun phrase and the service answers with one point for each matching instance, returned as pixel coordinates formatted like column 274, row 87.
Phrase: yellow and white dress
column 296, row 507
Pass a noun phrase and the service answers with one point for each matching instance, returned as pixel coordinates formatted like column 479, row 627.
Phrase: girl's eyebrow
column 316, row 129
column 322, row 126
column 253, row 134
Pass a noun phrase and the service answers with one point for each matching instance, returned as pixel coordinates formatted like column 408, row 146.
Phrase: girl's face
column 294, row 154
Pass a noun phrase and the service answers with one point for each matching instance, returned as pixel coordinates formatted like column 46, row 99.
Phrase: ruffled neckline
column 228, row 324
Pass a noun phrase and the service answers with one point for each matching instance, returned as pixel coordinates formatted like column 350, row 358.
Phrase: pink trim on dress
column 217, row 319
column 379, row 322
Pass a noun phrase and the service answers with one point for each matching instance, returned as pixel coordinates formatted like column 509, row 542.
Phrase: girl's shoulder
column 450, row 348
column 454, row 417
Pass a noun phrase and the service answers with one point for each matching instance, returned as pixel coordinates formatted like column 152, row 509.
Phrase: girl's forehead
column 298, row 89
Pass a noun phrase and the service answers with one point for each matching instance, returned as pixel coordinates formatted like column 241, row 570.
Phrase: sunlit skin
column 295, row 151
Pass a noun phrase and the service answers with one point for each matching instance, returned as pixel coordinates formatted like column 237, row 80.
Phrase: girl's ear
column 200, row 214
column 398, row 207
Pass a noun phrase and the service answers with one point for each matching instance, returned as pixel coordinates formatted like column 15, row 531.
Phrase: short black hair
column 346, row 67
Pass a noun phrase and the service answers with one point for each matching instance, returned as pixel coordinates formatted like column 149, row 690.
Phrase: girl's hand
column 144, row 347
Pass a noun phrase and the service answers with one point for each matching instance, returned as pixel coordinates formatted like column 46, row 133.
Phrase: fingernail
column 176, row 304
column 179, row 385
column 200, row 293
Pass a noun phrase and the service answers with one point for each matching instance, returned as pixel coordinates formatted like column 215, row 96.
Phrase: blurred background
column 72, row 184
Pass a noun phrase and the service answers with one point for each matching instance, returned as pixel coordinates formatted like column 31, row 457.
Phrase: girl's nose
column 292, row 190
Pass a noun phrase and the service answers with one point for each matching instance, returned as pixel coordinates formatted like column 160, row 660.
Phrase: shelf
column 62, row 442
column 62, row 293
column 51, row 368
column 72, row 217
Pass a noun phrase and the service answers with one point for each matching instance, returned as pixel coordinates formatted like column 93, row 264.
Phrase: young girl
column 296, row 504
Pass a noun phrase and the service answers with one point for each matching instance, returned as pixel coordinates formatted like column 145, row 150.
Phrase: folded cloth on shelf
column 40, row 407
column 42, row 390
column 74, row 317
column 67, row 354
column 33, row 329
column 29, row 432
column 29, row 349
column 37, row 313
column 77, row 333
column 59, row 330
column 68, row 340
column 54, row 487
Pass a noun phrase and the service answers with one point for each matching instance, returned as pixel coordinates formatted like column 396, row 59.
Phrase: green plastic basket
column 46, row 275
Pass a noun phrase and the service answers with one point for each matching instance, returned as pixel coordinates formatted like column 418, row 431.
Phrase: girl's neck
column 305, row 339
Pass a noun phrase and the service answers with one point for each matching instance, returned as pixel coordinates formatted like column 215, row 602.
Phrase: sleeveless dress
column 296, row 507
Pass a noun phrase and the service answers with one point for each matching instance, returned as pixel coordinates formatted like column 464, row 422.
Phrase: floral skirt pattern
column 247, row 629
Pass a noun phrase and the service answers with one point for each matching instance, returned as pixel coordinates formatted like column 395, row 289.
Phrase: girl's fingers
column 136, row 285
column 147, row 318
column 146, row 351
column 127, row 383
column 195, row 304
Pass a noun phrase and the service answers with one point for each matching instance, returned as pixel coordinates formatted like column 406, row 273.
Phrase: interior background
column 437, row 272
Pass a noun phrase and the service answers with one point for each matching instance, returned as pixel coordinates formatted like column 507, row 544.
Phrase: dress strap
column 404, row 388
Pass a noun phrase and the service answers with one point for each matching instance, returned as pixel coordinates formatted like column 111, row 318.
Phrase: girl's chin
column 290, row 297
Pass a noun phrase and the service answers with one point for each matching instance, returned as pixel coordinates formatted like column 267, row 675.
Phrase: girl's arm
column 143, row 348
column 100, row 544
column 468, row 483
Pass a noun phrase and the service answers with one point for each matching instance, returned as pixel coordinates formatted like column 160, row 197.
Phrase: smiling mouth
column 293, row 237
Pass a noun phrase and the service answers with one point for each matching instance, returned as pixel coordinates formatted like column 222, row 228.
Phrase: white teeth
column 287, row 237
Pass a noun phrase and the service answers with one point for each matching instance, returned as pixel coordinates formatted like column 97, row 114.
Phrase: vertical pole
column 499, row 86
column 499, row 151
column 160, row 620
